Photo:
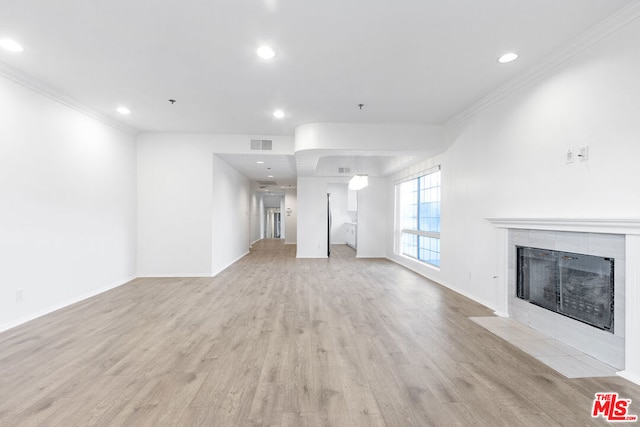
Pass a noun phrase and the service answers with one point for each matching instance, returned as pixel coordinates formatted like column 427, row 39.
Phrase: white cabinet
column 351, row 231
column 352, row 200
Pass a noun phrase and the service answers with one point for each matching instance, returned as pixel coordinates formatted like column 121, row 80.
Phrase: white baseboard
column 24, row 319
column 215, row 273
column 634, row 377
column 201, row 274
column 177, row 275
column 443, row 283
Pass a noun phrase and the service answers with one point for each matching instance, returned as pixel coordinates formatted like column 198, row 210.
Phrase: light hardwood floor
column 275, row 340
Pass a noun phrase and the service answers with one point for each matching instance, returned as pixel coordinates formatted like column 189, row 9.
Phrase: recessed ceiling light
column 269, row 176
column 11, row 45
column 508, row 57
column 260, row 162
column 123, row 110
column 266, row 52
column 278, row 114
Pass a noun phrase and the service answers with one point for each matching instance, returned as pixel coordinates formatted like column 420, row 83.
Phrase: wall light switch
column 569, row 158
column 583, row 153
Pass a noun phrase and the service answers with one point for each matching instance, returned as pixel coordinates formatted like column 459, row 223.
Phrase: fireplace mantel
column 629, row 227
column 587, row 225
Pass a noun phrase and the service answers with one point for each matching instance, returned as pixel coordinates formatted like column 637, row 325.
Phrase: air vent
column 267, row 183
column 261, row 144
column 344, row 170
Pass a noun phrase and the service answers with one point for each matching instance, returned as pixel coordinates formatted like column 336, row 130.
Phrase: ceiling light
column 265, row 52
column 260, row 162
column 508, row 57
column 278, row 114
column 269, row 176
column 123, row 110
column 11, row 45
column 358, row 182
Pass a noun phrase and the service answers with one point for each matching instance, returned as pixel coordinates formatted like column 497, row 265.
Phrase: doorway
column 273, row 223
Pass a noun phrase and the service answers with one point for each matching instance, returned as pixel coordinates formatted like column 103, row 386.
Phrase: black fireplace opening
column 574, row 285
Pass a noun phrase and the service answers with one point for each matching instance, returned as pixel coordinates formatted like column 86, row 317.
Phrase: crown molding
column 579, row 44
column 47, row 91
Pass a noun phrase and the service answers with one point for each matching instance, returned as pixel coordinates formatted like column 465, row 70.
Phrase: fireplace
column 578, row 286
column 575, row 318
column 618, row 239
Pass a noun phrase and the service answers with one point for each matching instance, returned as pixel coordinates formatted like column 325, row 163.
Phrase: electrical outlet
column 19, row 295
column 583, row 153
column 569, row 158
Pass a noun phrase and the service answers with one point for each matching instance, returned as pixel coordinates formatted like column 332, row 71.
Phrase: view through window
column 419, row 208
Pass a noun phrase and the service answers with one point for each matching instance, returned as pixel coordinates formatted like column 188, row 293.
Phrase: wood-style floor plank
column 279, row 341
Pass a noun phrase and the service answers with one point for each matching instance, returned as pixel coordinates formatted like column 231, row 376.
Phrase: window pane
column 410, row 245
column 409, row 201
column 429, row 250
column 420, row 211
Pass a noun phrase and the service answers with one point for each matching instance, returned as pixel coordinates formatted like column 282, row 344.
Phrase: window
column 419, row 214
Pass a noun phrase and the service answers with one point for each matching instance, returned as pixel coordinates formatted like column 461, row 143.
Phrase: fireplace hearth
column 575, row 285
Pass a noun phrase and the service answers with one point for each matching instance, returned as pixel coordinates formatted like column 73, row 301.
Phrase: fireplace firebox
column 574, row 285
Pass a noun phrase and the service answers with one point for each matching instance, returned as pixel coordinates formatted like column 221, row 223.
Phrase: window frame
column 399, row 219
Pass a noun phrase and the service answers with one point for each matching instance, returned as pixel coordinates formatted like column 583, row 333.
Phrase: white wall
column 255, row 219
column 261, row 212
column 67, row 189
column 177, row 198
column 372, row 219
column 312, row 217
column 175, row 205
column 283, row 223
column 291, row 220
column 509, row 160
column 230, row 219
column 338, row 212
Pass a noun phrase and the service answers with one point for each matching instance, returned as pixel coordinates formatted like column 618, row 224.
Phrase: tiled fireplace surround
column 616, row 238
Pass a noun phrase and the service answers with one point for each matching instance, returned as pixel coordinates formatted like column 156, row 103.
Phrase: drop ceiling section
column 331, row 166
column 282, row 169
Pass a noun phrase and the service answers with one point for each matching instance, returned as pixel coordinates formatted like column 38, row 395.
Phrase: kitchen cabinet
column 351, row 233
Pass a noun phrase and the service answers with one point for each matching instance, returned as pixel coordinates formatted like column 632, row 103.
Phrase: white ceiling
column 412, row 61
column 408, row 62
